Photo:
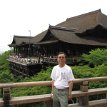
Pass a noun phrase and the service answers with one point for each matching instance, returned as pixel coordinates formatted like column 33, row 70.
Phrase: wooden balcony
column 24, row 66
column 53, row 60
column 24, row 61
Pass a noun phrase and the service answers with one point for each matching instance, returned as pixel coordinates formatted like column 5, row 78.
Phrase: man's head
column 61, row 58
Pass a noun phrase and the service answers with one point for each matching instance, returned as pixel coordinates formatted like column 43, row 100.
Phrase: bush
column 96, row 57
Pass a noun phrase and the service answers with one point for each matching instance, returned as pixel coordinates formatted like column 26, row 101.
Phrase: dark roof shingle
column 68, row 30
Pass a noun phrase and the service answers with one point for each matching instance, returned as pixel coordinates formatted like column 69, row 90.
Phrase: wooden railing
column 23, row 61
column 83, row 94
column 53, row 60
column 35, row 60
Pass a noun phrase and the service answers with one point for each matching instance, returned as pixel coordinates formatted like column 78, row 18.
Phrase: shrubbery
column 97, row 57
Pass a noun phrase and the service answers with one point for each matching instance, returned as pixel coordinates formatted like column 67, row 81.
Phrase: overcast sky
column 17, row 17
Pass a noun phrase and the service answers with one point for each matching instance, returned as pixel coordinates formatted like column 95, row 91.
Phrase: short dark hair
column 61, row 53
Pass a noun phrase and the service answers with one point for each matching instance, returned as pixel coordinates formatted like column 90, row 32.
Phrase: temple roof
column 82, row 29
column 19, row 40
column 70, row 31
column 85, row 21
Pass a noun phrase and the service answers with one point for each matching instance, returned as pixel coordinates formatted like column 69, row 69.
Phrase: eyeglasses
column 61, row 57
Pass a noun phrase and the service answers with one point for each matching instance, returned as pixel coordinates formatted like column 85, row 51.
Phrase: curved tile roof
column 19, row 40
column 68, row 30
column 71, row 37
column 85, row 21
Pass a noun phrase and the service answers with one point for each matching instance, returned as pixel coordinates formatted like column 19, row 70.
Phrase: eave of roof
column 20, row 40
column 72, row 38
column 38, row 37
column 47, row 42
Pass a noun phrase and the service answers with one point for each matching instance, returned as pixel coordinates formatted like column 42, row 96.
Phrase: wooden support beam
column 83, row 100
column 6, row 97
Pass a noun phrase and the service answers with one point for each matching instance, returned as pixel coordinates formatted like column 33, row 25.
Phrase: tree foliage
column 5, row 75
column 96, row 57
column 4, row 64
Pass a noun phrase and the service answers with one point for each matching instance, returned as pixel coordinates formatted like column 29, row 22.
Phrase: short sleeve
column 53, row 74
column 70, row 75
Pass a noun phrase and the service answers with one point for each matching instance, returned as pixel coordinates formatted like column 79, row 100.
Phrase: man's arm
column 52, row 86
column 70, row 83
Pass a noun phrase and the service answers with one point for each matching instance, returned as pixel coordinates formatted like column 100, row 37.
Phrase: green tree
column 96, row 57
column 4, row 64
column 5, row 75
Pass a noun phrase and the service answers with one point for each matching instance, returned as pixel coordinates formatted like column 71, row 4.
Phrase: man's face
column 61, row 59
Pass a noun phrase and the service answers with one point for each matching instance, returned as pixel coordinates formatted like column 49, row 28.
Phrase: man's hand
column 70, row 96
column 52, row 95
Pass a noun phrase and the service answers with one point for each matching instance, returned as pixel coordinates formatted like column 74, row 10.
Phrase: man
column 62, row 77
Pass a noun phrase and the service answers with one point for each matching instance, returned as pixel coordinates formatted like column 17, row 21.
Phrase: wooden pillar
column 48, row 103
column 6, row 96
column 106, row 96
column 83, row 100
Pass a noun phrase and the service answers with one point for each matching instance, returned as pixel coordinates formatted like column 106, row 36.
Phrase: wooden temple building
column 75, row 36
